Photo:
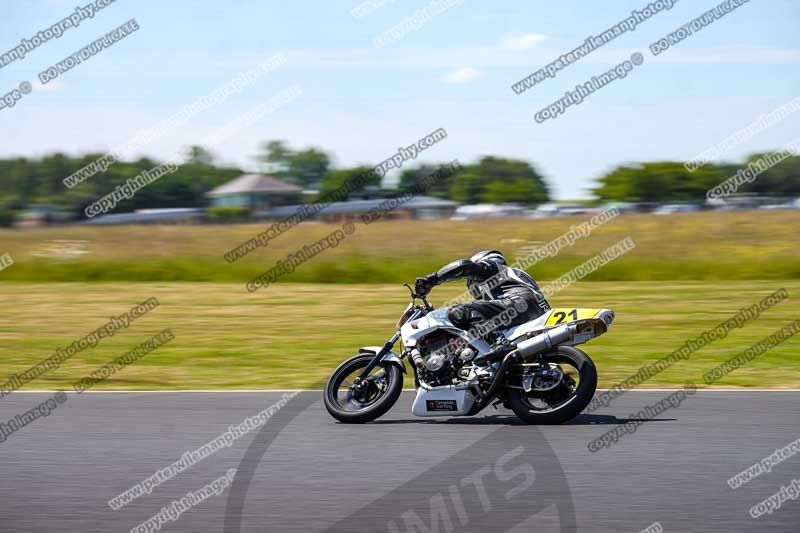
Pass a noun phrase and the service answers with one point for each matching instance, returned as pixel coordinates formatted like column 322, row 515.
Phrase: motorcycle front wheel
column 354, row 403
column 565, row 401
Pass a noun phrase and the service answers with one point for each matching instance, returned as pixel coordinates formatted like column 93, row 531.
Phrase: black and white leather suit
column 496, row 288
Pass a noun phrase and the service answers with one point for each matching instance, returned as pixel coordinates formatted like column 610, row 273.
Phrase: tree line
column 670, row 181
column 27, row 181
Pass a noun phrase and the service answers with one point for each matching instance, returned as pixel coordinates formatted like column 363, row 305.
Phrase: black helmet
column 489, row 255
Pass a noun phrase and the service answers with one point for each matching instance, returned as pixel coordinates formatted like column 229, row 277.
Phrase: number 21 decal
column 561, row 315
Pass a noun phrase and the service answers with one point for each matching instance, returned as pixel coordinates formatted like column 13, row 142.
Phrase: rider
column 496, row 287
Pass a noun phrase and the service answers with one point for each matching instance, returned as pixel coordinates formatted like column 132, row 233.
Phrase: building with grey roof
column 255, row 192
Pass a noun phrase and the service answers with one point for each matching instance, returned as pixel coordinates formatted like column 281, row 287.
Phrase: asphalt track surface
column 302, row 471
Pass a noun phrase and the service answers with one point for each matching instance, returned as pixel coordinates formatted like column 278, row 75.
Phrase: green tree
column 410, row 178
column 501, row 192
column 6, row 214
column 275, row 156
column 466, row 187
column 499, row 180
column 26, row 181
column 667, row 181
column 197, row 155
column 350, row 182
column 782, row 179
column 308, row 168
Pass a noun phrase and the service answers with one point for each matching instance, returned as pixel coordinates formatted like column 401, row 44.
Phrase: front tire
column 369, row 403
column 521, row 401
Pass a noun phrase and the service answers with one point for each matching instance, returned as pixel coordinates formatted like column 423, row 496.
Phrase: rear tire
column 518, row 398
column 394, row 377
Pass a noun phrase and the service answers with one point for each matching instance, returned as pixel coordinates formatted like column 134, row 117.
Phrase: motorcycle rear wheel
column 381, row 391
column 565, row 409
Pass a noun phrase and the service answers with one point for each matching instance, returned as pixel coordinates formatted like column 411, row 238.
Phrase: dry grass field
column 691, row 246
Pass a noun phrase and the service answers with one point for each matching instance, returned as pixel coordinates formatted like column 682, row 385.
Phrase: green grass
column 293, row 335
column 747, row 245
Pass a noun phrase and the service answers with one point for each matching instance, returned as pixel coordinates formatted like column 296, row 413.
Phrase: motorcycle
column 535, row 370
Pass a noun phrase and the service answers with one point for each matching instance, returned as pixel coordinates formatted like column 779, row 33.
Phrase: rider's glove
column 422, row 286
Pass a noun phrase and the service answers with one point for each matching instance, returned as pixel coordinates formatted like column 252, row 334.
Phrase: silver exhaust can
column 546, row 340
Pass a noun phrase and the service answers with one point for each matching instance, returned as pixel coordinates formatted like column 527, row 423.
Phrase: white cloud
column 53, row 86
column 522, row 42
column 498, row 56
column 463, row 75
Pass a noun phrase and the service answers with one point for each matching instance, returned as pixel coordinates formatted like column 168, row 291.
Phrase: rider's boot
column 499, row 349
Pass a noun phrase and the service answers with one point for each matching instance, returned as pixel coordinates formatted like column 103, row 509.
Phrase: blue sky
column 360, row 102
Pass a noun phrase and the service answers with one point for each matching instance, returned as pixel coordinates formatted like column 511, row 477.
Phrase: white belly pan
column 442, row 401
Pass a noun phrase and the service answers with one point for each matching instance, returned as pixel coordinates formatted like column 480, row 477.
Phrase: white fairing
column 442, row 401
column 416, row 329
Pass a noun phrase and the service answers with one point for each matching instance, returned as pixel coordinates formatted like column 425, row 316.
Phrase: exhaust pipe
column 545, row 341
column 525, row 351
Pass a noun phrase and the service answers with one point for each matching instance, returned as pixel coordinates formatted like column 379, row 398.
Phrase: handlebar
column 428, row 306
column 415, row 296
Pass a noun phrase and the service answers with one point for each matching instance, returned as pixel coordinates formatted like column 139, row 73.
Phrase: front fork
column 377, row 359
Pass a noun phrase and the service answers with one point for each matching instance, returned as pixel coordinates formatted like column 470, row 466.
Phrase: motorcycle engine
column 441, row 359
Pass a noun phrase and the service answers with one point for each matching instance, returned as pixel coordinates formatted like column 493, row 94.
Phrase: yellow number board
column 561, row 315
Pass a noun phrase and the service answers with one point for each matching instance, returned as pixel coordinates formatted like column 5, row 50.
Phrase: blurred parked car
column 794, row 204
column 467, row 212
column 554, row 210
column 668, row 209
